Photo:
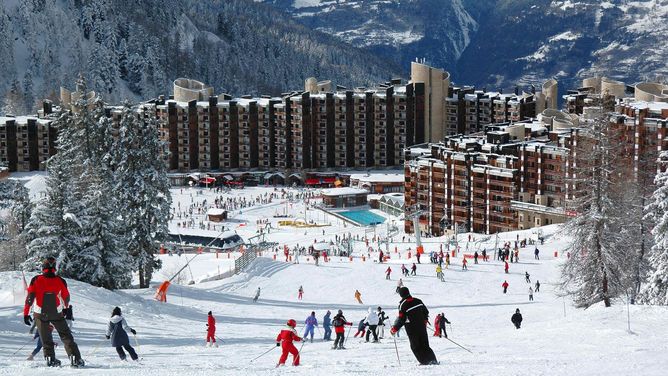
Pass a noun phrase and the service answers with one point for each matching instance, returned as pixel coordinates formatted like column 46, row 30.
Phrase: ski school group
column 48, row 299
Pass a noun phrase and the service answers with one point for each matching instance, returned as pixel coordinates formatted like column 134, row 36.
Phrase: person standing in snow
column 257, row 295
column 447, row 260
column 382, row 317
column 537, row 286
column 47, row 296
column 530, row 294
column 441, row 325
column 326, row 326
column 526, row 277
column 414, row 269
column 310, row 322
column 285, row 339
column 380, row 257
column 339, row 322
column 464, row 262
column 516, row 319
column 535, row 254
column 400, row 284
column 211, row 330
column 38, row 345
column 414, row 315
column 505, row 286
column 372, row 321
column 506, row 267
column 358, row 296
column 387, row 273
column 437, row 327
column 475, row 257
column 484, row 255
column 300, row 293
column 117, row 332
column 361, row 329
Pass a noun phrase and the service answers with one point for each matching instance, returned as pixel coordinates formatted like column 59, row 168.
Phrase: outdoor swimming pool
column 363, row 217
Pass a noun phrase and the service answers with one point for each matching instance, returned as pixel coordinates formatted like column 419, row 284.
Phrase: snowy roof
column 322, row 246
column 215, row 211
column 378, row 178
column 344, row 191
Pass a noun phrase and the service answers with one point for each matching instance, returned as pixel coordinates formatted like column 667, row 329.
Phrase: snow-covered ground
column 555, row 339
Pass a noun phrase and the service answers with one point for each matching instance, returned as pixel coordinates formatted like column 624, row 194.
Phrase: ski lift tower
column 414, row 212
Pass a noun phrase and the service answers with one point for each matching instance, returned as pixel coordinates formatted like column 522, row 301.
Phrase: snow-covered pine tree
column 142, row 188
column 655, row 289
column 598, row 269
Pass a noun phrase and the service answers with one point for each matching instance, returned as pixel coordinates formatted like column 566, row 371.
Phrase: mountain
column 134, row 49
column 498, row 43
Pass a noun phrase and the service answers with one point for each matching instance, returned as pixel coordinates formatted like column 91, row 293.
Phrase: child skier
column 505, row 286
column 310, row 322
column 117, row 332
column 361, row 329
column 400, row 284
column 339, row 321
column 211, row 331
column 38, row 346
column 285, row 339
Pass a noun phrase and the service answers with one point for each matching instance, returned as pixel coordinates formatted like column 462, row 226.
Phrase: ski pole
column 396, row 349
column 136, row 342
column 95, row 349
column 220, row 339
column 263, row 354
column 21, row 348
column 459, row 345
column 347, row 335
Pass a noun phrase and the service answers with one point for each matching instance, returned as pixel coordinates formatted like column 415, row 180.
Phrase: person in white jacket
column 372, row 321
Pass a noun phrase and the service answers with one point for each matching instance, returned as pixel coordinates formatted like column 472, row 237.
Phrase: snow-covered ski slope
column 171, row 336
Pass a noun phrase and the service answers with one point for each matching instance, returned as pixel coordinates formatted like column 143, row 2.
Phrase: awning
column 312, row 182
column 228, row 177
column 329, row 180
column 207, row 180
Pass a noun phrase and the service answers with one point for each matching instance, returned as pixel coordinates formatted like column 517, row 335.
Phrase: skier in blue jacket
column 327, row 326
column 117, row 332
column 310, row 322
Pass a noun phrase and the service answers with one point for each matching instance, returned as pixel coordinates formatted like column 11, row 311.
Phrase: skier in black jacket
column 517, row 318
column 414, row 314
column 441, row 325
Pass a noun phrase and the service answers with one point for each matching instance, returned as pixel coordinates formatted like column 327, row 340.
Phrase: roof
column 215, row 211
column 378, row 178
column 344, row 191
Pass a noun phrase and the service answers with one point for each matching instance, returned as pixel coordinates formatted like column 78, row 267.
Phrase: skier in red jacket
column 387, row 272
column 50, row 299
column 285, row 339
column 211, row 331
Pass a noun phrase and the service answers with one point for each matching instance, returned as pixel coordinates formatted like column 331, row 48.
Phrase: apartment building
column 26, row 142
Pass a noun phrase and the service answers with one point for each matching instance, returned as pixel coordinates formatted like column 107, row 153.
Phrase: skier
column 387, row 273
column 358, row 296
column 506, row 266
column 326, row 326
column 447, row 260
column 437, row 328
column 371, row 320
column 441, row 324
column 117, row 332
column 475, row 257
column 49, row 295
column 404, row 270
column 339, row 321
column 38, row 345
column 517, row 318
column 285, row 339
column 382, row 317
column 414, row 269
column 310, row 322
column 505, row 286
column 526, row 277
column 464, row 262
column 484, row 255
column 257, row 295
column 535, row 254
column 300, row 293
column 211, row 330
column 537, row 286
column 361, row 329
column 414, row 314
column 530, row 294
column 439, row 273
column 380, row 257
column 400, row 284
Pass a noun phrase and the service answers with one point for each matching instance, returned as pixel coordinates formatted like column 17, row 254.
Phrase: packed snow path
column 171, row 336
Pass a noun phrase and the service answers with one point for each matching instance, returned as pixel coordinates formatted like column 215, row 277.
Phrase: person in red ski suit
column 387, row 272
column 505, row 286
column 506, row 267
column 437, row 322
column 211, row 330
column 285, row 339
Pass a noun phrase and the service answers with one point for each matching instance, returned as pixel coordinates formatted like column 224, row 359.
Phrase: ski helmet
column 404, row 292
column 49, row 265
column 292, row 323
column 340, row 312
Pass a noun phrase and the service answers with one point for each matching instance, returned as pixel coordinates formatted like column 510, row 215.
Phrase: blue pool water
column 363, row 217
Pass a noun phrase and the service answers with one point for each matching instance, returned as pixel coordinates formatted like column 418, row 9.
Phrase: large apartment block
column 514, row 175
column 303, row 131
column 26, row 142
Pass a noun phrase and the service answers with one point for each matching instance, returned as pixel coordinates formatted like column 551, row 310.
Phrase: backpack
column 337, row 322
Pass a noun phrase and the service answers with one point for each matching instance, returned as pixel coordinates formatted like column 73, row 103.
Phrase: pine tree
column 142, row 187
column 655, row 290
column 598, row 269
